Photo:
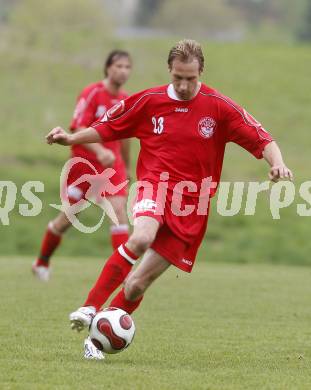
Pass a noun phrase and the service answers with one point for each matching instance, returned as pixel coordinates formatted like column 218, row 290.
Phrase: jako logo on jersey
column 180, row 109
column 158, row 125
column 116, row 110
column 145, row 205
column 206, row 127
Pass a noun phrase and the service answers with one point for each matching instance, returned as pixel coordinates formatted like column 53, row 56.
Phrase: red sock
column 113, row 274
column 119, row 235
column 50, row 242
column 121, row 302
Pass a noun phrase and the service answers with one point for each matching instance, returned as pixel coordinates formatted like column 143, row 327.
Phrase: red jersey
column 187, row 139
column 92, row 103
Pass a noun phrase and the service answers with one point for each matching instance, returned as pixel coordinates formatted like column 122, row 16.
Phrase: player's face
column 119, row 72
column 185, row 78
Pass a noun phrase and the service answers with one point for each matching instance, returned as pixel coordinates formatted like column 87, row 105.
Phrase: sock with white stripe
column 113, row 274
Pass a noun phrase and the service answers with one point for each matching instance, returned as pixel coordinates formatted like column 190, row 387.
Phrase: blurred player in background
column 92, row 103
column 183, row 129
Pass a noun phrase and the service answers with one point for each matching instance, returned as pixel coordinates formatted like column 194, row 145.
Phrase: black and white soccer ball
column 112, row 330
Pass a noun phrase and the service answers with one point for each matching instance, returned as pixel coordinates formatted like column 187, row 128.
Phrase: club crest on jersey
column 206, row 127
column 116, row 110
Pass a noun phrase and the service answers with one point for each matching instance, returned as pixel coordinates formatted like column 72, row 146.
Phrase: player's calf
column 50, row 242
column 134, row 288
column 150, row 268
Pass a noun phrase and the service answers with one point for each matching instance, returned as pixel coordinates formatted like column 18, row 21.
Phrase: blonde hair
column 185, row 51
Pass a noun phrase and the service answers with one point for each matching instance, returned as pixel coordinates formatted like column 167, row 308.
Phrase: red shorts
column 92, row 180
column 179, row 236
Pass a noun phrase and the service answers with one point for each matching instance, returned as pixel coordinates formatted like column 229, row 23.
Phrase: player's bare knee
column 140, row 242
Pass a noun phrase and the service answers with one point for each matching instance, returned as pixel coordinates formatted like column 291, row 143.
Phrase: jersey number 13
column 158, row 124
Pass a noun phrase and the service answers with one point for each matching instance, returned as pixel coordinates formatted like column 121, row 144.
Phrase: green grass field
column 223, row 327
column 240, row 325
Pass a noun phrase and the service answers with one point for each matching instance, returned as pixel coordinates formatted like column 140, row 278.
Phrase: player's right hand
column 106, row 157
column 58, row 136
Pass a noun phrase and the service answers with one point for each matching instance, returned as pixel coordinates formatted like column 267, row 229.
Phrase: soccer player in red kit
column 183, row 129
column 92, row 103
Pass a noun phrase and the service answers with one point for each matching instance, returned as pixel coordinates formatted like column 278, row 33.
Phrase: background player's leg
column 52, row 238
column 50, row 242
column 151, row 267
column 119, row 233
column 120, row 263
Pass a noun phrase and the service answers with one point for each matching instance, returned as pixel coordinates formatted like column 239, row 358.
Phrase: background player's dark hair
column 114, row 56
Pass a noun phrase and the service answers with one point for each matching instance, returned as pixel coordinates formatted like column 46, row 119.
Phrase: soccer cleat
column 91, row 352
column 42, row 273
column 82, row 318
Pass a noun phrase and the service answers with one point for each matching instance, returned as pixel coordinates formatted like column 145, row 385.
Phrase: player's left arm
column 272, row 154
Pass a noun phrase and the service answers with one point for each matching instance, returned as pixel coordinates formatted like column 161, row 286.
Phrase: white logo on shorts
column 145, row 205
column 188, row 262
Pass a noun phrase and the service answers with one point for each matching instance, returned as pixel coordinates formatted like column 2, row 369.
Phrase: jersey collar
column 172, row 94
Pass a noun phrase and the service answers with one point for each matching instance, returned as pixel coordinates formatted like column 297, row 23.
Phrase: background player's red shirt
column 92, row 103
column 185, row 138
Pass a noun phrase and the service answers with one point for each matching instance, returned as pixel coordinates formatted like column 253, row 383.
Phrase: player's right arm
column 124, row 120
column 59, row 136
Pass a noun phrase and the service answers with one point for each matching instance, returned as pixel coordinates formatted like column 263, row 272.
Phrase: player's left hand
column 278, row 172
